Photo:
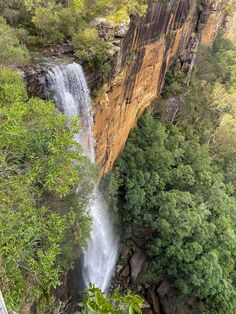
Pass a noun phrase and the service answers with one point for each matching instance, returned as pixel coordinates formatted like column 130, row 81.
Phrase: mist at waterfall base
column 69, row 88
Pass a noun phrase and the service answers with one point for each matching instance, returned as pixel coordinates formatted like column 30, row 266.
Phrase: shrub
column 47, row 21
column 11, row 51
column 90, row 46
column 96, row 303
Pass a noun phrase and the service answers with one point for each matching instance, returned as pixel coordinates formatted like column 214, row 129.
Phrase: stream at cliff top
column 68, row 85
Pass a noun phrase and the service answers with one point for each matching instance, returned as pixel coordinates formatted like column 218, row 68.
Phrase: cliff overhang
column 167, row 30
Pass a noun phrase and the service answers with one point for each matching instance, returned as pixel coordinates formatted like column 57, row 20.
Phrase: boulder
column 136, row 263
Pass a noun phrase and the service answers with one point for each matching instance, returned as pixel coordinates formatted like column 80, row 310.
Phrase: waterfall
column 3, row 309
column 69, row 88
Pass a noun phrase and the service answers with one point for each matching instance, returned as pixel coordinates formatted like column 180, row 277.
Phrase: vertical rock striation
column 211, row 20
column 143, row 59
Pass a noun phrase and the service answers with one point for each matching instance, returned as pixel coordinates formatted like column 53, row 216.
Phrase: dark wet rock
column 147, row 309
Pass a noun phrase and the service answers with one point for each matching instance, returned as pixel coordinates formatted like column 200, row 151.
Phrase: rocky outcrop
column 136, row 263
column 143, row 59
column 211, row 20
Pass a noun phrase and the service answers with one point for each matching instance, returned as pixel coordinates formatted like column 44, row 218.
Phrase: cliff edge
column 167, row 30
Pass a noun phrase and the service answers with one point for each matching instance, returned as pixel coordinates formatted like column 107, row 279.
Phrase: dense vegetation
column 176, row 183
column 179, row 205
column 40, row 209
column 41, row 23
column 11, row 51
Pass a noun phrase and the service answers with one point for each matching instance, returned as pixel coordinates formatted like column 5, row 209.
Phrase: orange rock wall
column 213, row 20
column 144, row 57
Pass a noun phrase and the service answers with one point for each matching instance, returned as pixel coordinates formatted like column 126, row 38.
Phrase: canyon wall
column 169, row 28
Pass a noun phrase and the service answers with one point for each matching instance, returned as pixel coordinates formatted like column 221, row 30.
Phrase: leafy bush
column 118, row 11
column 91, row 47
column 11, row 51
column 96, row 303
column 32, row 5
column 57, row 20
column 47, row 21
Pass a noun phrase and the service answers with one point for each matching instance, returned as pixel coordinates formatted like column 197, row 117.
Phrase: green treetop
column 177, row 206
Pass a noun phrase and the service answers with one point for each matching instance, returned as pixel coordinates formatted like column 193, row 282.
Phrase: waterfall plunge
column 71, row 94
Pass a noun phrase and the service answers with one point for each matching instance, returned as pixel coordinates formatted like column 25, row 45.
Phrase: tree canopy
column 175, row 202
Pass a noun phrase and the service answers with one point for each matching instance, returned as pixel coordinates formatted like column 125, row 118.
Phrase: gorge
column 155, row 103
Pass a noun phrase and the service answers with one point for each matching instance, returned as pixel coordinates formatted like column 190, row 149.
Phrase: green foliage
column 95, row 302
column 173, row 83
column 65, row 18
column 118, row 11
column 42, row 22
column 224, row 301
column 208, row 104
column 91, row 47
column 47, row 21
column 32, row 5
column 11, row 51
column 44, row 223
column 176, row 204
column 212, row 95
column 217, row 63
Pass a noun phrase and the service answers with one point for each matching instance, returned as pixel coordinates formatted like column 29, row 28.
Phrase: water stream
column 68, row 86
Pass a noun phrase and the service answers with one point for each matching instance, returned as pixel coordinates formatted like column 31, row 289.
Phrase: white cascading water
column 68, row 85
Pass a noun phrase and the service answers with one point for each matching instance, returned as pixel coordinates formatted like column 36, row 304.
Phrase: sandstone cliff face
column 211, row 20
column 144, row 57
